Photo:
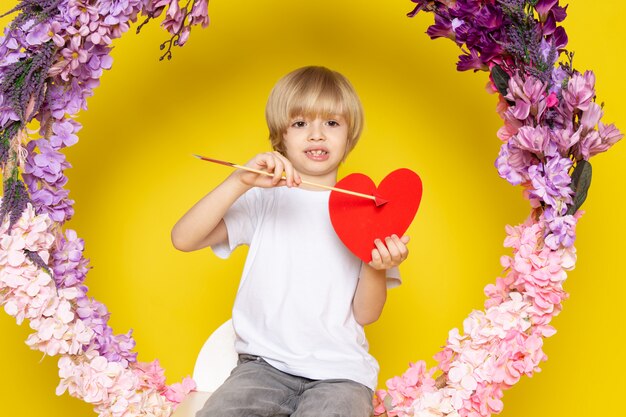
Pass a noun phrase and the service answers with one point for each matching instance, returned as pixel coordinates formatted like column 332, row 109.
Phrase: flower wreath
column 51, row 58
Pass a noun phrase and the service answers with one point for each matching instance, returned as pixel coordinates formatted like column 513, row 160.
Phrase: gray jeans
column 257, row 389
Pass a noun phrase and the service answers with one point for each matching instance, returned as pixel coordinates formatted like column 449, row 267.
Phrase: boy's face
column 316, row 146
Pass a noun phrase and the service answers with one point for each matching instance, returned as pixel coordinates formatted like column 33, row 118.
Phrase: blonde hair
column 312, row 91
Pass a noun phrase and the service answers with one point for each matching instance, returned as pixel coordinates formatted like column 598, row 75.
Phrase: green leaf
column 581, row 180
column 500, row 79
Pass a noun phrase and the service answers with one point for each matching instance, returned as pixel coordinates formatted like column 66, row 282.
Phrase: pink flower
column 590, row 117
column 88, row 377
column 597, row 141
column 174, row 17
column 176, row 393
column 527, row 97
column 534, row 139
column 499, row 291
column 580, row 91
column 566, row 138
column 552, row 100
column 378, row 402
column 54, row 335
column 609, row 133
column 150, row 375
column 200, row 13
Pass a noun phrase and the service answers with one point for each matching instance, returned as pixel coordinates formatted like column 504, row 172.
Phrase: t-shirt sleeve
column 393, row 276
column 240, row 220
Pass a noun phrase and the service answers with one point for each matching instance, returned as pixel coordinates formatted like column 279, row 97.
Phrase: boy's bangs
column 322, row 102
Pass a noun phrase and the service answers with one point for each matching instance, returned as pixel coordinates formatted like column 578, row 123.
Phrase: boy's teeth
column 317, row 152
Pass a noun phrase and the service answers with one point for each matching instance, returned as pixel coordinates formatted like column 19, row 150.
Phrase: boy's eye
column 332, row 123
column 298, row 123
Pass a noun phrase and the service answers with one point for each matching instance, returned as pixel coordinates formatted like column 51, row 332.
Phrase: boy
column 303, row 298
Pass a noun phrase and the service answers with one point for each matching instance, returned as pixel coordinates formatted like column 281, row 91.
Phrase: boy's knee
column 339, row 398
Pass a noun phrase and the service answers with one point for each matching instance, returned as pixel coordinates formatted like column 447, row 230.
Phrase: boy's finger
column 269, row 164
column 404, row 251
column 290, row 171
column 382, row 249
column 375, row 257
column 289, row 174
column 278, row 171
column 392, row 247
column 405, row 239
column 287, row 167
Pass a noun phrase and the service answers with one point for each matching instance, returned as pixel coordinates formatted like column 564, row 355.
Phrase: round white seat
column 216, row 360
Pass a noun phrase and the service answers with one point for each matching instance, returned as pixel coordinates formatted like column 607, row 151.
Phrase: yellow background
column 134, row 176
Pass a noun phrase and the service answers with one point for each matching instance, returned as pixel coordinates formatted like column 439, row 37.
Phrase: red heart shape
column 359, row 221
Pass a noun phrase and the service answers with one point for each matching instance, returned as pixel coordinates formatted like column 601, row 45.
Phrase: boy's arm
column 203, row 224
column 371, row 291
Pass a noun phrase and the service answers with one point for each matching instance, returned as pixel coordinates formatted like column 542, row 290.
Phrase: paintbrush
column 376, row 199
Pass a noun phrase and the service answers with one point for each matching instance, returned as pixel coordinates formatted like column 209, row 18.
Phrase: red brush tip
column 379, row 200
column 217, row 161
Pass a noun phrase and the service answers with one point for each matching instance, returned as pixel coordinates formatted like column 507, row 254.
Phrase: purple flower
column 37, row 34
column 443, row 27
column 7, row 114
column 121, row 10
column 100, row 60
column 489, row 17
column 10, row 50
column 513, row 163
column 63, row 133
column 68, row 263
column 74, row 56
column 53, row 202
column 544, row 7
column 116, row 348
column 66, row 99
column 557, row 78
column 562, row 230
column 559, row 38
column 471, row 61
column 57, row 31
column 47, row 165
column 80, row 11
column 550, row 13
column 550, row 182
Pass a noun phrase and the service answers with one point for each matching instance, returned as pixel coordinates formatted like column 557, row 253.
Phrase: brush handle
column 326, row 187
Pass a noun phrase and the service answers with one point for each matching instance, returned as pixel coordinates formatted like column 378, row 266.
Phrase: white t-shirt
column 294, row 303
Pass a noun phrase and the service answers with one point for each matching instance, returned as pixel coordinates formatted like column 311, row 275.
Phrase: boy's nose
column 315, row 138
column 316, row 132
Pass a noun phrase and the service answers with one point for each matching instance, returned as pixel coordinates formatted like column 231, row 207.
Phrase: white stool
column 216, row 360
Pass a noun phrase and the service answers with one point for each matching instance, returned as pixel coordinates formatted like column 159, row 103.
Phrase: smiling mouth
column 317, row 152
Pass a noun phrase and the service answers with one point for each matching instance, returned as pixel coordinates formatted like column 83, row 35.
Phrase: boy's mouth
column 317, row 154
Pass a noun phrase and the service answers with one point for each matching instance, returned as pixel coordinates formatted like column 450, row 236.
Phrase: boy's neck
column 329, row 180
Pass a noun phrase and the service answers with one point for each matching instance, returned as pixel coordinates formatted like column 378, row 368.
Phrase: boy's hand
column 392, row 252
column 274, row 163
